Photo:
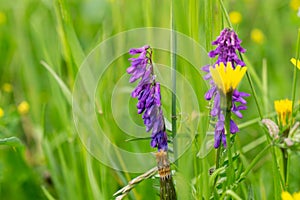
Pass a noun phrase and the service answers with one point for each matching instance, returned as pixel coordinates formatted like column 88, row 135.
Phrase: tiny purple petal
column 224, row 139
column 139, row 50
column 209, row 94
column 217, row 139
column 205, row 68
column 233, row 127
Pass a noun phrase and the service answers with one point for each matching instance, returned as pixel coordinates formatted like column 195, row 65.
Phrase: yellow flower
column 257, row 36
column 295, row 4
column 235, row 17
column 284, row 111
column 1, row 112
column 287, row 196
column 23, row 107
column 296, row 196
column 2, row 18
column 7, row 87
column 295, row 62
column 226, row 78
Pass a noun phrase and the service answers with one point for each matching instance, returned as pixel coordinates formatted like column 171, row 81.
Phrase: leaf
column 168, row 125
column 11, row 141
column 60, row 82
column 47, row 193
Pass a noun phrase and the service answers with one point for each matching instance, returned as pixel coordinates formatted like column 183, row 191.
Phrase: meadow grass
column 44, row 43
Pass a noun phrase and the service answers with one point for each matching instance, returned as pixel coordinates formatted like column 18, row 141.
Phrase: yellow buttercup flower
column 226, row 78
column 23, row 107
column 2, row 18
column 295, row 4
column 1, row 112
column 296, row 196
column 287, row 196
column 235, row 17
column 257, row 36
column 7, row 87
column 284, row 111
column 295, row 62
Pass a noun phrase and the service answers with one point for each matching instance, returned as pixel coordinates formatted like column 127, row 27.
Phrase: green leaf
column 11, row 141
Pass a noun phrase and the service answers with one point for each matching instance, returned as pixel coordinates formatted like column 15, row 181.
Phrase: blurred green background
column 45, row 159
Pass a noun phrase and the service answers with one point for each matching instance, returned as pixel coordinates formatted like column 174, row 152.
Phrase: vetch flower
column 235, row 17
column 283, row 109
column 23, row 107
column 295, row 62
column 224, row 77
column 228, row 44
column 148, row 94
column 149, row 103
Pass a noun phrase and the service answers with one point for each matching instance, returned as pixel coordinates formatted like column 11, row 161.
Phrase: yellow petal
column 296, row 196
column 1, row 112
column 295, row 62
column 286, row 196
column 225, row 77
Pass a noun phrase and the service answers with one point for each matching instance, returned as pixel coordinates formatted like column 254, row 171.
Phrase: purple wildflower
column 148, row 94
column 228, row 44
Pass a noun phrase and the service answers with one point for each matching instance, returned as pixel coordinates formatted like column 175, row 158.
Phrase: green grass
column 44, row 43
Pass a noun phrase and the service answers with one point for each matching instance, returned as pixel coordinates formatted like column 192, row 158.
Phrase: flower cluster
column 148, row 94
column 224, row 77
column 284, row 133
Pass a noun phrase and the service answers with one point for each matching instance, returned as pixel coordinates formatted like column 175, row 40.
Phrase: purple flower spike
column 148, row 94
column 228, row 46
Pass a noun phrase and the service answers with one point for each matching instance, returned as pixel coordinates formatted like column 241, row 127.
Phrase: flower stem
column 254, row 161
column 253, row 93
column 285, row 166
column 227, row 111
column 167, row 189
column 295, row 75
column 218, row 157
column 225, row 13
column 173, row 77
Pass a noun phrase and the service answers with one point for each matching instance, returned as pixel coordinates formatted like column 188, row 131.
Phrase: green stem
column 173, row 77
column 285, row 166
column 218, row 157
column 295, row 75
column 254, row 161
column 277, row 177
column 218, row 160
column 253, row 93
column 227, row 111
column 225, row 13
column 288, row 169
